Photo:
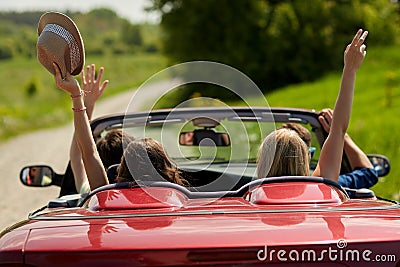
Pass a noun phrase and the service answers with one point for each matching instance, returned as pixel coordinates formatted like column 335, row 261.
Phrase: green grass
column 46, row 106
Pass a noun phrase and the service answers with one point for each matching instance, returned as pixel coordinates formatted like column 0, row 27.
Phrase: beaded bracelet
column 79, row 109
column 76, row 96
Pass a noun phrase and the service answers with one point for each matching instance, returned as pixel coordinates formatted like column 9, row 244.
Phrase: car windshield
column 245, row 139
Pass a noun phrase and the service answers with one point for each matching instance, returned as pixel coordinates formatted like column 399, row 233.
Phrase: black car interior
column 205, row 179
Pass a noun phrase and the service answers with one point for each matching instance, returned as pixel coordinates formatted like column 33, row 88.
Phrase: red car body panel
column 164, row 227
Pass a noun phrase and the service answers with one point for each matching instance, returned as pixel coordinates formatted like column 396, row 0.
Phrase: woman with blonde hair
column 290, row 155
column 284, row 153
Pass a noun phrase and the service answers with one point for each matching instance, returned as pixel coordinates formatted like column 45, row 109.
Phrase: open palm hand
column 92, row 87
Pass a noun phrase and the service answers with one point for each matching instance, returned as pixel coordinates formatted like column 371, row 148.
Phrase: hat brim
column 67, row 23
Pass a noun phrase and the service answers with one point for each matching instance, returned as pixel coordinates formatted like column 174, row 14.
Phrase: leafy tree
column 102, row 30
column 274, row 42
column 131, row 34
column 21, row 18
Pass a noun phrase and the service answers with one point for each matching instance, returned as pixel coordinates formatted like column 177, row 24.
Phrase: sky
column 130, row 9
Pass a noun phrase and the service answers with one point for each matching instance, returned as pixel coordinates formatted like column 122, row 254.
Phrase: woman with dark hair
column 110, row 147
column 145, row 158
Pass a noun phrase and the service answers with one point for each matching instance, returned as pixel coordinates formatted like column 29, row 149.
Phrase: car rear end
column 197, row 235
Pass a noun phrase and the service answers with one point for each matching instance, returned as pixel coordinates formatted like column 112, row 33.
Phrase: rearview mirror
column 381, row 164
column 204, row 137
column 38, row 176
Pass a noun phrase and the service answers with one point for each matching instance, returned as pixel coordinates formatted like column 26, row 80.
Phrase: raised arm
column 331, row 154
column 93, row 165
column 93, row 89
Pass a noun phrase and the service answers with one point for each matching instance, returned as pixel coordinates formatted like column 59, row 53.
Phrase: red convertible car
column 226, row 218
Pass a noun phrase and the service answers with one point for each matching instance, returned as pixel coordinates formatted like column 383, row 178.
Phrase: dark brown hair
column 111, row 146
column 146, row 160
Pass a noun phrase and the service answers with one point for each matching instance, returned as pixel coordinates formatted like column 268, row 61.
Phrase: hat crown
column 60, row 42
column 69, row 38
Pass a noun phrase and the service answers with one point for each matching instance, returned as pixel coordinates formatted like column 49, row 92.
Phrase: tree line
column 103, row 31
column 274, row 42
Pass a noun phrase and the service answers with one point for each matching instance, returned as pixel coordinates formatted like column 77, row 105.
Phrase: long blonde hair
column 283, row 153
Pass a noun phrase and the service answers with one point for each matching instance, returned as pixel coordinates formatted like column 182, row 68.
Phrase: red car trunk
column 174, row 230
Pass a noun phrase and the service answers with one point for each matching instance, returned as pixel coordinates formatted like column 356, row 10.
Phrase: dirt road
column 50, row 147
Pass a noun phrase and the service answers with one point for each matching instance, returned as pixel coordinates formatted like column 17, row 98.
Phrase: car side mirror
column 381, row 164
column 39, row 176
column 204, row 137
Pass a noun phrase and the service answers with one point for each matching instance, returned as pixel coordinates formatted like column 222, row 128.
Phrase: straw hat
column 60, row 42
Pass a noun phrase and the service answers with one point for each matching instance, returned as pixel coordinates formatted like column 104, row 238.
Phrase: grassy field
column 29, row 99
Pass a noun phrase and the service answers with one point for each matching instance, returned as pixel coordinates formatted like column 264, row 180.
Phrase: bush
column 151, row 48
column 31, row 88
column 120, row 49
column 131, row 34
column 6, row 51
column 95, row 50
